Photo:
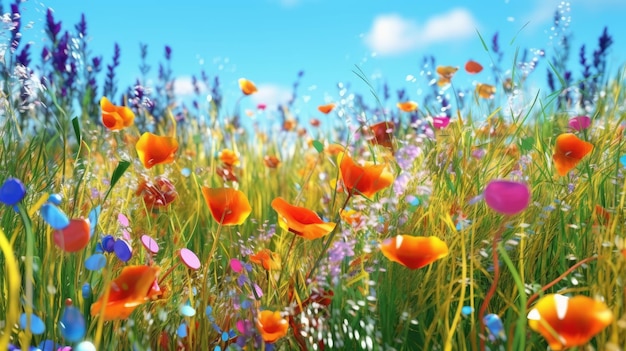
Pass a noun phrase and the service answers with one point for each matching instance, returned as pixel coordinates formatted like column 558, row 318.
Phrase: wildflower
column 326, row 109
column 115, row 117
column 507, row 197
column 228, row 206
column 271, row 325
column 315, row 122
column 473, row 67
column 366, row 180
column 229, row 157
column 300, row 221
column 266, row 258
column 247, row 87
column 271, row 161
column 414, row 252
column 153, row 149
column 382, row 134
column 445, row 74
column 227, row 173
column 352, row 217
column 568, row 152
column 569, row 321
column 12, row 191
column 407, row 106
column 73, row 237
column 134, row 286
column 159, row 193
column 485, row 91
column 441, row 122
column 579, row 123
column 334, row 149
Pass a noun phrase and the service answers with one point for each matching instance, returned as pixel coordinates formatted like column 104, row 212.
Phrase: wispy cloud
column 392, row 34
column 271, row 95
column 183, row 86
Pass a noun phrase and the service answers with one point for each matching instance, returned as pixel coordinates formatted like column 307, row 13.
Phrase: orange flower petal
column 115, row 117
column 446, row 71
column 473, row 67
column 271, row 326
column 407, row 106
column 266, row 258
column 301, row 221
column 366, row 180
column 153, row 149
column 569, row 321
column 414, row 252
column 247, row 87
column 568, row 152
column 229, row 157
column 326, row 109
column 485, row 91
column 271, row 161
column 228, row 206
column 130, row 289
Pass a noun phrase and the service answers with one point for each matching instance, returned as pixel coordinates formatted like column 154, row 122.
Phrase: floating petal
column 506, row 196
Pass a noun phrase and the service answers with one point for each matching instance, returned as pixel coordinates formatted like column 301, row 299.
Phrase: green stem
column 520, row 330
column 28, row 279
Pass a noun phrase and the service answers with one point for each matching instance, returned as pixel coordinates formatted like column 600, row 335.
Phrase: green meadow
column 144, row 226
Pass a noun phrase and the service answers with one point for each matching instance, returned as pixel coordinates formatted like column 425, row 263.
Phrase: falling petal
column 85, row 346
column 95, row 262
column 150, row 244
column 473, row 67
column 94, row 215
column 236, row 265
column 74, row 237
column 579, row 123
column 54, row 216
column 182, row 330
column 37, row 326
column 56, row 199
column 122, row 250
column 72, row 324
column 494, row 326
column 187, row 311
column 189, row 258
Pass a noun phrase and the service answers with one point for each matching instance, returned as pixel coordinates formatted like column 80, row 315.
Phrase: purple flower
column 52, row 28
column 168, row 52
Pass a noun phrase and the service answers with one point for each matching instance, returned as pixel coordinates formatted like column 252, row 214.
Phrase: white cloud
column 183, row 86
column 271, row 95
column 391, row 34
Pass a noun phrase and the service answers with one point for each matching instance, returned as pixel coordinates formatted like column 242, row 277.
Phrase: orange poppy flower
column 271, row 325
column 485, row 91
column 473, row 67
column 247, row 87
column 159, row 193
column 300, row 221
column 414, row 252
column 445, row 74
column 568, row 152
column 271, row 161
column 382, row 134
column 153, row 149
column 115, row 117
column 407, row 106
column 366, row 180
column 326, row 109
column 229, row 157
column 266, row 258
column 227, row 173
column 351, row 217
column 228, row 206
column 334, row 149
column 569, row 321
column 134, row 286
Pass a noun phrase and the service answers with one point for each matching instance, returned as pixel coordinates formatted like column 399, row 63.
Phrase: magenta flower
column 507, row 197
column 579, row 123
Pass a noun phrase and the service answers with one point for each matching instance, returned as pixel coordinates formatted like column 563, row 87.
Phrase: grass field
column 131, row 224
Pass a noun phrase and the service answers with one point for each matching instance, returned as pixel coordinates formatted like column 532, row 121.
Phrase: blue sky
column 270, row 41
